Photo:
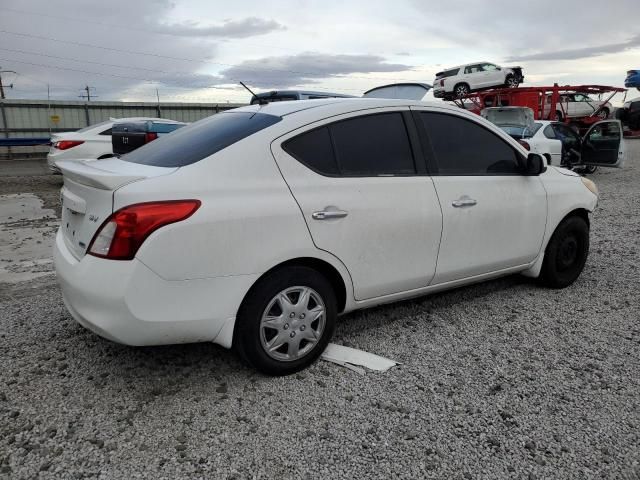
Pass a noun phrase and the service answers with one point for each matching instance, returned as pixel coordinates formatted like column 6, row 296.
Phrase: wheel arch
column 535, row 269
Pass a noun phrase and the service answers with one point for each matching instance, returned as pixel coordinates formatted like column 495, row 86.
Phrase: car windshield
column 201, row 139
column 518, row 131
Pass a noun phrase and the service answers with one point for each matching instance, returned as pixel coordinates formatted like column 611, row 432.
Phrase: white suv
column 256, row 227
column 459, row 81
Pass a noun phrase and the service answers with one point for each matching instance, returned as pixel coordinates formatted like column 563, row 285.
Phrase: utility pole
column 87, row 95
column 2, row 97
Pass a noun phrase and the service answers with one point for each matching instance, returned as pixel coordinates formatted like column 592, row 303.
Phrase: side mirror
column 535, row 164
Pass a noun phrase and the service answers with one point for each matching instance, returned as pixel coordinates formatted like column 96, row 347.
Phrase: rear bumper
column 126, row 302
column 438, row 93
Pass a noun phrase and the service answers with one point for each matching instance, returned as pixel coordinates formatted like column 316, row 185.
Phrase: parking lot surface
column 500, row 380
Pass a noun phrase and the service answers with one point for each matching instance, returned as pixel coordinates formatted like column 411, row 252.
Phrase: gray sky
column 198, row 50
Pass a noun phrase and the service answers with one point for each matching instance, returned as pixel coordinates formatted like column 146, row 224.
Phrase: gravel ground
column 499, row 380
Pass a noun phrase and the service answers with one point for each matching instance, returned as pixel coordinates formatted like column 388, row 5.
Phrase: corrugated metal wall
column 39, row 118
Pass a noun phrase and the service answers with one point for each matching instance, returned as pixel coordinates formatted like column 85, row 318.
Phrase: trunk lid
column 87, row 195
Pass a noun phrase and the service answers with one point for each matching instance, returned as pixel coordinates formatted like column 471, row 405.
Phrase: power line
column 229, row 65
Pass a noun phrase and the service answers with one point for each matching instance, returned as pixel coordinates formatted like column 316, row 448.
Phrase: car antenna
column 261, row 101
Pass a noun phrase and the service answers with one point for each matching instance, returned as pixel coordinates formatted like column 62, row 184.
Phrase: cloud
column 578, row 53
column 305, row 68
column 247, row 27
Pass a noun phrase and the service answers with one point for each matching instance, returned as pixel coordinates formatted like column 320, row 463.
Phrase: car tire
column 559, row 116
column 460, row 90
column 603, row 114
column 589, row 169
column 566, row 253
column 267, row 317
column 511, row 81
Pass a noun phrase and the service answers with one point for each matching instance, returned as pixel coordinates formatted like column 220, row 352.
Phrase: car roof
column 282, row 109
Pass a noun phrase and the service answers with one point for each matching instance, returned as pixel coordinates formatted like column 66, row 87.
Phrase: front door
column 603, row 145
column 494, row 217
column 365, row 196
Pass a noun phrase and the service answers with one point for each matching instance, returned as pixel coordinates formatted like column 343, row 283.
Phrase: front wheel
column 603, row 114
column 566, row 253
column 286, row 321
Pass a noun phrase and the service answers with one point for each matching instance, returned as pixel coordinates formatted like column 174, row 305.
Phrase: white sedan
column 92, row 142
column 256, row 227
column 563, row 146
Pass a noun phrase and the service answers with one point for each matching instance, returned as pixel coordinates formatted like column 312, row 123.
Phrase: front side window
column 473, row 69
column 369, row 145
column 463, row 147
column 489, row 67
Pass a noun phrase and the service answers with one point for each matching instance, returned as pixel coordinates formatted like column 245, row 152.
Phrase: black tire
column 247, row 338
column 589, row 169
column 559, row 117
column 460, row 90
column 566, row 253
column 511, row 81
column 603, row 114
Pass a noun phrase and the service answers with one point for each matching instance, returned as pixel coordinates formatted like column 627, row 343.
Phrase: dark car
column 128, row 136
column 629, row 114
column 633, row 79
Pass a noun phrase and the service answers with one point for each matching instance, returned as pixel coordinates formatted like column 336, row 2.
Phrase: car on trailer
column 633, row 79
column 629, row 115
column 456, row 82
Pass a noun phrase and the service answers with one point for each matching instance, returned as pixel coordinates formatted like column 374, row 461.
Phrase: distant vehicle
column 629, row 114
column 287, row 95
column 127, row 136
column 256, row 227
column 92, row 142
column 579, row 105
column 405, row 91
column 561, row 144
column 459, row 81
column 633, row 79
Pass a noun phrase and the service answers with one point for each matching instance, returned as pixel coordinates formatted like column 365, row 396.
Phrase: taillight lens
column 525, row 144
column 67, row 144
column 150, row 137
column 122, row 234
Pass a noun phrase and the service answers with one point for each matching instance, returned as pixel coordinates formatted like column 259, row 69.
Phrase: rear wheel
column 286, row 321
column 511, row 81
column 559, row 116
column 603, row 114
column 566, row 253
column 461, row 90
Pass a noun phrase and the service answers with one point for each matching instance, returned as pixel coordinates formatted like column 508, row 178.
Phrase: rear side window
column 106, row 132
column 549, row 132
column 370, row 145
column 201, row 139
column 314, row 149
column 463, row 147
column 447, row 73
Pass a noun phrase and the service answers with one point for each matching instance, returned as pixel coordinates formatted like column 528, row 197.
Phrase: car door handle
column 328, row 213
column 464, row 201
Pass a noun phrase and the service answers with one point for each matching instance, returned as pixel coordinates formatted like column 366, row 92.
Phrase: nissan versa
column 256, row 227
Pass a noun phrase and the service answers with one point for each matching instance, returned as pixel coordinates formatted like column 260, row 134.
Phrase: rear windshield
column 518, row 132
column 194, row 142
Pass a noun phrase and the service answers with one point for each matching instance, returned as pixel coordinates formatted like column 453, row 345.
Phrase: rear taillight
column 525, row 144
column 150, row 137
column 121, row 235
column 67, row 144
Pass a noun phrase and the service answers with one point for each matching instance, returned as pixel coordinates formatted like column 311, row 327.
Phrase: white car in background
column 92, row 142
column 561, row 144
column 459, row 81
column 256, row 227
column 578, row 105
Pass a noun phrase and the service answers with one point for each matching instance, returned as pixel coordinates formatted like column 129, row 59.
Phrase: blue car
column 633, row 79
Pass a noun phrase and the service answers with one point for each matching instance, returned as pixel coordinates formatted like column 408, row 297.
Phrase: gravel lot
column 499, row 380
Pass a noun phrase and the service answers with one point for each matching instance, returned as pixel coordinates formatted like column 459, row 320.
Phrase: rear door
column 363, row 191
column 603, row 145
column 494, row 217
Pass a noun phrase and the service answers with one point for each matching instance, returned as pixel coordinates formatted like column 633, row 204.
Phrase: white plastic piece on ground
column 352, row 358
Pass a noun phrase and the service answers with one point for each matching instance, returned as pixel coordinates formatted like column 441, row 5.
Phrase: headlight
column 590, row 185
